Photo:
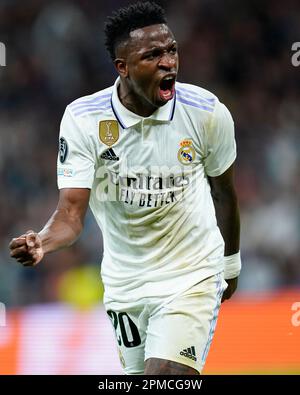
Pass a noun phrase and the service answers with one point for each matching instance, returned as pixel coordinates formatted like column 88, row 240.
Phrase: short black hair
column 126, row 19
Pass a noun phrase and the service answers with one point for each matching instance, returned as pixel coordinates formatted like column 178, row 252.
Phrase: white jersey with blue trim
column 150, row 193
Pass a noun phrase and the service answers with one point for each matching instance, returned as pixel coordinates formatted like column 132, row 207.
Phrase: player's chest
column 144, row 145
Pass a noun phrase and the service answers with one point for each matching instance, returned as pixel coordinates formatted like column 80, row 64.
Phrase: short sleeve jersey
column 150, row 193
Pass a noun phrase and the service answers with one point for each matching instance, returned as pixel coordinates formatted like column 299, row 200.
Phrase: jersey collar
column 127, row 118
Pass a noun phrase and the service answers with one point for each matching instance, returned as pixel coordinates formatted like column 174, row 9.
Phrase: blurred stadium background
column 239, row 50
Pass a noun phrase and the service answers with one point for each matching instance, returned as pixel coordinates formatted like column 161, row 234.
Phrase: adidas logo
column 109, row 155
column 189, row 353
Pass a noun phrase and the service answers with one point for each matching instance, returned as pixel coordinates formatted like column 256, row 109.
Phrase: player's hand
column 27, row 248
column 229, row 291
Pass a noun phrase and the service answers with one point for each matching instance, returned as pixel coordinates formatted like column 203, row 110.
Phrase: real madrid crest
column 109, row 132
column 186, row 153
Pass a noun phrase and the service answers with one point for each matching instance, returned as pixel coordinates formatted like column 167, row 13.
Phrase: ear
column 121, row 67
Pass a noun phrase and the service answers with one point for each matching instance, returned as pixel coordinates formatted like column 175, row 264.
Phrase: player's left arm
column 228, row 219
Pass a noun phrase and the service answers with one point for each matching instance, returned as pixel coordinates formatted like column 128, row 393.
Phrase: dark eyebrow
column 160, row 48
column 163, row 47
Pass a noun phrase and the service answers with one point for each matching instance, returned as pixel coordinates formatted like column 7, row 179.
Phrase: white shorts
column 178, row 330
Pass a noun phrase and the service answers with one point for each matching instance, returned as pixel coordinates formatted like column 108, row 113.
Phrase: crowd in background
column 241, row 51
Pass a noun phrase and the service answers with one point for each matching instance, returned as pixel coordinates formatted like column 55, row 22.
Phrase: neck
column 133, row 102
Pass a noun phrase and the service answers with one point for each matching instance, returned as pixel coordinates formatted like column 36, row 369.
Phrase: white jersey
column 150, row 193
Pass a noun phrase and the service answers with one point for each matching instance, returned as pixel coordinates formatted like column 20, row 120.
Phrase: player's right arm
column 62, row 229
column 75, row 171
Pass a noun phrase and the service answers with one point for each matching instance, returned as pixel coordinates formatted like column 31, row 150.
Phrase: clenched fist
column 27, row 248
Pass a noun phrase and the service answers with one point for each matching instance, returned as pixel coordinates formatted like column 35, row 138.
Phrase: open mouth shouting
column 167, row 87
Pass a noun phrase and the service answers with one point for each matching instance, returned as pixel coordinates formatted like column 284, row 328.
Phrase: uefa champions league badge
column 109, row 132
column 186, row 153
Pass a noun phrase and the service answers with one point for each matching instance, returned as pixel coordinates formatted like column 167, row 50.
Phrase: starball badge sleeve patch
column 63, row 149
